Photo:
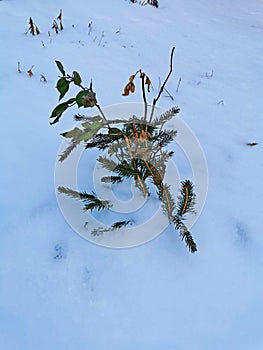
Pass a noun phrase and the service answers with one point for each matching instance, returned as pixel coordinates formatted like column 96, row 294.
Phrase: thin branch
column 163, row 85
column 179, row 82
column 169, row 95
column 103, row 115
column 142, row 76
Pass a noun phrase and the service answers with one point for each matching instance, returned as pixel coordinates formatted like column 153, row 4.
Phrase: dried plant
column 33, row 29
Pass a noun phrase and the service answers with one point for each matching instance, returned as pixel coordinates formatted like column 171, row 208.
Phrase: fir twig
column 91, row 201
column 116, row 226
column 168, row 201
column 164, row 117
column 186, row 200
column 111, row 179
column 163, row 138
column 186, row 236
column 74, row 143
column 107, row 163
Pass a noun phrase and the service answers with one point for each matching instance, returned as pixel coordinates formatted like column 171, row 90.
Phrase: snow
column 58, row 291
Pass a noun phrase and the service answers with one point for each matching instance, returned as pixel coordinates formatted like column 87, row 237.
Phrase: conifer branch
column 107, row 163
column 111, row 179
column 163, row 138
column 186, row 201
column 91, row 201
column 164, row 117
column 116, row 226
column 74, row 143
column 185, row 235
column 168, row 203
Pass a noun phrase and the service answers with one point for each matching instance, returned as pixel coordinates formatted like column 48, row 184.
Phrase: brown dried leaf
column 126, row 90
column 148, row 83
column 132, row 87
column 131, row 78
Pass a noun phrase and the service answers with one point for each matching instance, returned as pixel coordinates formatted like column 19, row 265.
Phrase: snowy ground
column 58, row 291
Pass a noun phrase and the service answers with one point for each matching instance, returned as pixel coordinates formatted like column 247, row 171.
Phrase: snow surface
column 58, row 291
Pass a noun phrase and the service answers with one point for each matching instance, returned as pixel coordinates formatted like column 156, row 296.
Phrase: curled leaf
column 126, row 90
column 148, row 83
column 130, row 87
column 131, row 78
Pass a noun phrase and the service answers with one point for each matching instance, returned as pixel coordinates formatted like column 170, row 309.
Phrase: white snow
column 58, row 291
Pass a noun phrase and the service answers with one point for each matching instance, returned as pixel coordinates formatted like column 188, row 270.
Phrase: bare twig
column 102, row 36
column 179, row 82
column 142, row 76
column 163, row 85
column 169, row 95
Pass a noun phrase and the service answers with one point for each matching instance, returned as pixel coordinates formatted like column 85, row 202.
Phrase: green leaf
column 62, row 86
column 76, row 78
column 60, row 109
column 71, row 100
column 60, row 67
column 79, row 97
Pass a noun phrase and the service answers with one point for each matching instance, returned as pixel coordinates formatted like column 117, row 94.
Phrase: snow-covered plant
column 137, row 148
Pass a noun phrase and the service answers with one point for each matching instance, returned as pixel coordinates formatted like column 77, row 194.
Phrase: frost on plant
column 137, row 148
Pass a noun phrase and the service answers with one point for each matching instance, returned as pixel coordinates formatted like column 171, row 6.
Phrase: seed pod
column 89, row 99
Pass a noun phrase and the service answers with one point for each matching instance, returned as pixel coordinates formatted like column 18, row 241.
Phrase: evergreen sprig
column 168, row 203
column 73, row 144
column 107, row 163
column 185, row 234
column 186, row 200
column 184, row 205
column 91, row 201
column 103, row 141
column 163, row 118
column 111, row 179
column 115, row 226
column 164, row 137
